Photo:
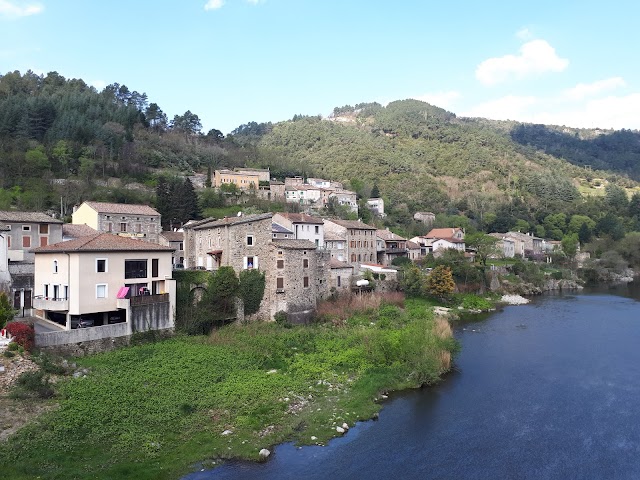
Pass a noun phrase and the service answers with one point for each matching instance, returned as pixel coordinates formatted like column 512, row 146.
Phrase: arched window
column 55, row 266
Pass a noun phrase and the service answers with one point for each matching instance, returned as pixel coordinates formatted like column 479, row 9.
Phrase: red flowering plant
column 23, row 334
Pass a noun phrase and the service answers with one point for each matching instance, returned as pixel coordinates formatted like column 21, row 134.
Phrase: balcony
column 51, row 304
column 389, row 251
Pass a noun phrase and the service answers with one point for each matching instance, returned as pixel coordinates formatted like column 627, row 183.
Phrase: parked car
column 82, row 322
column 200, row 267
column 178, row 266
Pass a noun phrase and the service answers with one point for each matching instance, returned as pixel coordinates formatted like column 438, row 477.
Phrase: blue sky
column 566, row 62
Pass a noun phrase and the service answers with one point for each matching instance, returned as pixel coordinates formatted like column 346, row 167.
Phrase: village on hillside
column 109, row 273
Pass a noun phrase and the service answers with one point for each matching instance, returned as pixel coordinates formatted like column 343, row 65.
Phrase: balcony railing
column 49, row 303
column 149, row 299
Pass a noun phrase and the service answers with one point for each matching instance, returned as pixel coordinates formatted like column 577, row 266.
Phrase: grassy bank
column 154, row 410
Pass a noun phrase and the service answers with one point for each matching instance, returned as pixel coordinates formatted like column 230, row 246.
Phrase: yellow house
column 136, row 221
column 242, row 180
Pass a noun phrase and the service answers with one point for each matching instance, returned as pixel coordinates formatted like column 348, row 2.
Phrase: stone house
column 360, row 240
column 175, row 240
column 526, row 244
column 506, row 246
column 414, row 252
column 141, row 222
column 22, row 232
column 346, row 198
column 425, row 217
column 303, row 226
column 341, row 274
column 240, row 242
column 336, row 244
column 296, row 278
column 393, row 246
column 114, row 285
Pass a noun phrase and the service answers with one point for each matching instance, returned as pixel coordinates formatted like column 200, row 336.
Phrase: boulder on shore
column 514, row 300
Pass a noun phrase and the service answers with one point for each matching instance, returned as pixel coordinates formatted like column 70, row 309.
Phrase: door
column 16, row 299
column 27, row 299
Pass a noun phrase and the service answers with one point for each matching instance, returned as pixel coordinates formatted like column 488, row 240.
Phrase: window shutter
column 255, row 262
column 244, row 263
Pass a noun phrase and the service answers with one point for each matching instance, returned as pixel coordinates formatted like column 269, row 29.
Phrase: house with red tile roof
column 141, row 222
column 102, row 286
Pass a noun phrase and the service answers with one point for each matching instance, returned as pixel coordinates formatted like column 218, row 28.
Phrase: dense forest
column 62, row 141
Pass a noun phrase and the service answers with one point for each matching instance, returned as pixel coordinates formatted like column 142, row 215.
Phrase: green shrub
column 9, row 354
column 13, row 346
column 32, row 384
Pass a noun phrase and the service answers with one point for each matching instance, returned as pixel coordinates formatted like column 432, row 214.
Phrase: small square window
column 101, row 265
column 249, row 240
column 26, row 228
column 101, row 290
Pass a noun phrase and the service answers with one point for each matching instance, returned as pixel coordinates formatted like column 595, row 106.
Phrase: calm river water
column 549, row 390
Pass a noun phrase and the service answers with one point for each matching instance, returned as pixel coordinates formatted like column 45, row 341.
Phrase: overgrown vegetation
column 151, row 411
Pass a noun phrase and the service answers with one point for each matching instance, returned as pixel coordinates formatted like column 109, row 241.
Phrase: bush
column 32, row 384
column 282, row 319
column 24, row 335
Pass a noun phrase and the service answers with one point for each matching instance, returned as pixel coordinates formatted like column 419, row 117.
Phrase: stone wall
column 154, row 316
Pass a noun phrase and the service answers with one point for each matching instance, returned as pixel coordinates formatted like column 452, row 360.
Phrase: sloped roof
column 103, row 242
column 173, row 236
column 294, row 244
column 123, row 208
column 277, row 228
column 301, row 218
column 334, row 263
column 26, row 217
column 334, row 237
column 353, row 224
column 388, row 235
column 229, row 221
column 442, row 233
column 77, row 231
column 412, row 245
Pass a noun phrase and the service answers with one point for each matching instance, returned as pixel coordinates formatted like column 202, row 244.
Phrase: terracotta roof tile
column 26, row 217
column 124, row 208
column 173, row 236
column 77, row 231
column 103, row 242
column 388, row 235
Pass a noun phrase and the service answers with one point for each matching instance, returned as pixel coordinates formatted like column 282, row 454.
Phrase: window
column 305, row 282
column 55, row 266
column 26, row 242
column 44, row 229
column 135, row 269
column 26, row 228
column 249, row 240
column 101, row 265
column 109, row 227
column 280, row 264
column 46, row 291
column 123, row 227
column 250, row 262
column 154, row 267
column 8, row 241
column 279, row 284
column 317, row 229
column 101, row 290
column 353, row 257
column 181, row 246
column 317, row 242
column 44, row 241
column 138, row 228
column 339, row 281
column 305, row 263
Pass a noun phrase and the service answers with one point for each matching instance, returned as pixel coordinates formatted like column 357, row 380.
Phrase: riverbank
column 155, row 410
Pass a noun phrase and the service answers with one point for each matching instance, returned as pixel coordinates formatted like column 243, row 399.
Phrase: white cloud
column 607, row 112
column 214, row 4
column 583, row 90
column 524, row 34
column 12, row 10
column 440, row 99
column 535, row 57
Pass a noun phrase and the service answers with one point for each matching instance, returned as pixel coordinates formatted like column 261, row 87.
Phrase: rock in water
column 339, row 429
column 264, row 453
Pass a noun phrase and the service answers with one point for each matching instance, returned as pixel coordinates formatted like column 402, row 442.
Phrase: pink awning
column 122, row 293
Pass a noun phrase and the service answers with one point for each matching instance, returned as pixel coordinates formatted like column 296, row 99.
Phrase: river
column 549, row 390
